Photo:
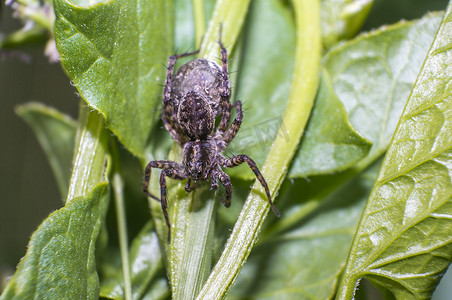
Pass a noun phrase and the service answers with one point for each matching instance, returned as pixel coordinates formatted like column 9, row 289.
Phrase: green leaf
column 403, row 243
column 146, row 261
column 342, row 19
column 59, row 263
column 373, row 75
column 330, row 144
column 305, row 261
column 354, row 84
column 265, row 95
column 113, row 51
column 56, row 134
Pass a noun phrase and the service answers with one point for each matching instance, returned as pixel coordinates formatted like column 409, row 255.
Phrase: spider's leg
column 213, row 181
column 147, row 176
column 169, row 113
column 174, row 174
column 164, row 165
column 238, row 160
column 188, row 187
column 170, row 169
column 226, row 181
column 225, row 91
column 235, row 126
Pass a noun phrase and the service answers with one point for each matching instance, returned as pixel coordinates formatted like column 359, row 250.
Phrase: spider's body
column 202, row 77
column 192, row 99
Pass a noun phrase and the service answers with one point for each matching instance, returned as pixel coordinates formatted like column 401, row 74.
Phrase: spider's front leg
column 226, row 182
column 171, row 169
column 169, row 117
column 238, row 160
column 225, row 91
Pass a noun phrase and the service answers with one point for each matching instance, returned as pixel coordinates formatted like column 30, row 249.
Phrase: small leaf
column 342, row 19
column 146, row 260
column 60, row 263
column 114, row 51
column 56, row 134
column 404, row 242
column 330, row 144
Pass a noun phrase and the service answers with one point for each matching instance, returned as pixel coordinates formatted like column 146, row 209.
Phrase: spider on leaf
column 192, row 99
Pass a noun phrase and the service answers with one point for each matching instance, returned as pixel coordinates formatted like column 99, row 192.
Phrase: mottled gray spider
column 192, row 99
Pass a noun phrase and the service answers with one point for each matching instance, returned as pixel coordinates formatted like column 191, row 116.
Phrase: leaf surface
column 330, row 144
column 59, row 263
column 404, row 242
column 113, row 51
column 316, row 266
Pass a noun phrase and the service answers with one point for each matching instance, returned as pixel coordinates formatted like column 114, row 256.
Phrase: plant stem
column 230, row 14
column 118, row 189
column 90, row 153
column 200, row 21
column 304, row 88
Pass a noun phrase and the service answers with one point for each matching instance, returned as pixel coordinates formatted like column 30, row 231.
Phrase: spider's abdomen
column 195, row 116
column 201, row 76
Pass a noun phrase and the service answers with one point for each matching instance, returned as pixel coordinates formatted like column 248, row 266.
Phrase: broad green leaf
column 264, row 95
column 56, row 134
column 404, row 242
column 342, row 19
column 113, row 52
column 304, row 262
column 146, row 260
column 389, row 58
column 60, row 263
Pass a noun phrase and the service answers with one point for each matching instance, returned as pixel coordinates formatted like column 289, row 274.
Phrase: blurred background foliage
column 28, row 189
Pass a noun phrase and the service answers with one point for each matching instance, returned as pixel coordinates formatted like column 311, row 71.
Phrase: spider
column 192, row 99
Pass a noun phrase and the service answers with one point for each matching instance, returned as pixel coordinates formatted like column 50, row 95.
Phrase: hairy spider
column 192, row 99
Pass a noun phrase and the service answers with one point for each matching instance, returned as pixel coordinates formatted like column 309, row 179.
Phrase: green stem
column 200, row 20
column 301, row 99
column 90, row 153
column 230, row 14
column 118, row 189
